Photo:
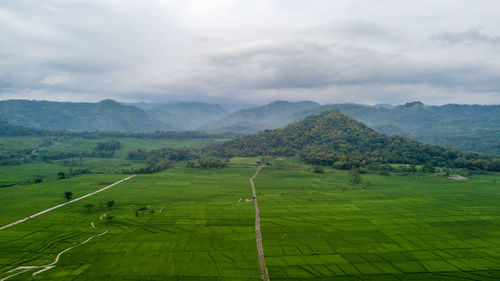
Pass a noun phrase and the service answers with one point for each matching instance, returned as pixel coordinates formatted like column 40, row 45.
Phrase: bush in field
column 318, row 169
column 109, row 145
column 355, row 176
column 61, row 175
column 110, row 204
column 68, row 195
column 89, row 207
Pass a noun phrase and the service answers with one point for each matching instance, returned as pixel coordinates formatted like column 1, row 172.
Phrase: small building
column 457, row 178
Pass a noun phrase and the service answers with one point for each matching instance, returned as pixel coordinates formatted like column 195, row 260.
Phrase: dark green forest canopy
column 332, row 138
column 78, row 117
column 466, row 127
column 9, row 130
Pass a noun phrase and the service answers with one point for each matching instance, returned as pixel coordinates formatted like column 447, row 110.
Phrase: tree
column 355, row 177
column 318, row 169
column 109, row 145
column 61, row 175
column 89, row 207
column 68, row 195
column 110, row 204
column 140, row 209
column 428, row 168
column 110, row 218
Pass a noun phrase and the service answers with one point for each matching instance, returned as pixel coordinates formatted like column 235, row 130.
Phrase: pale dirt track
column 258, row 235
column 41, row 268
column 64, row 204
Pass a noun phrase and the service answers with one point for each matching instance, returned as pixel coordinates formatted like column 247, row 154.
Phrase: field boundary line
column 64, row 204
column 43, row 268
column 258, row 234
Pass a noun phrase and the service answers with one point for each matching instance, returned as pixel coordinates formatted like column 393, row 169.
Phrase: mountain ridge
column 333, row 138
column 106, row 115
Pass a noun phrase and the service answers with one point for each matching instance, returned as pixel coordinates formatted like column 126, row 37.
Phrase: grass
column 197, row 225
column 130, row 144
column 48, row 170
column 10, row 143
column 204, row 231
column 397, row 228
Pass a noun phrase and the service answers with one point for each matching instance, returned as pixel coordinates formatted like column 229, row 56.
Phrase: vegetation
column 465, row 127
column 418, row 227
column 273, row 115
column 332, row 138
column 106, row 115
column 68, row 195
column 397, row 228
column 186, row 116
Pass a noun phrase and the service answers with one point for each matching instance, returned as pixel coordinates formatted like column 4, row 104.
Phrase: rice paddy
column 195, row 224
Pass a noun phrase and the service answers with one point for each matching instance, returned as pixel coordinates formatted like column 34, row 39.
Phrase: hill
column 465, row 127
column 333, row 138
column 273, row 115
column 186, row 116
column 106, row 115
column 7, row 129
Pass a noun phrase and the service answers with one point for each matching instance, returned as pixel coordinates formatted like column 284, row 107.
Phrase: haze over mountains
column 187, row 116
column 333, row 138
column 466, row 127
column 106, row 115
column 273, row 115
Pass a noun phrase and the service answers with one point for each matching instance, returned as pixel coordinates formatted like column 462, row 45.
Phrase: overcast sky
column 384, row 51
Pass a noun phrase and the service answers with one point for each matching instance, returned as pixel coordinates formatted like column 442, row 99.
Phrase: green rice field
column 194, row 224
column 395, row 228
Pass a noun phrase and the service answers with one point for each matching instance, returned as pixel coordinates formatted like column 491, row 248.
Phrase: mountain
column 466, row 127
column 186, row 116
column 106, row 115
column 273, row 115
column 9, row 130
column 333, row 138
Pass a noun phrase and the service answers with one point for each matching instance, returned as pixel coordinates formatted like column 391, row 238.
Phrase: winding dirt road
column 258, row 235
column 42, row 268
column 64, row 204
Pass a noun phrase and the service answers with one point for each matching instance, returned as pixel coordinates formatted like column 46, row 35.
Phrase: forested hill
column 332, row 138
column 7, row 129
column 186, row 116
column 273, row 115
column 106, row 115
column 465, row 127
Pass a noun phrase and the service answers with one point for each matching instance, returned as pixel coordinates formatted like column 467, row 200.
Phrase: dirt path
column 63, row 204
column 258, row 235
column 41, row 268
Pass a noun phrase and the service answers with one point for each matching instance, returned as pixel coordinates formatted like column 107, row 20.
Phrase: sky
column 328, row 51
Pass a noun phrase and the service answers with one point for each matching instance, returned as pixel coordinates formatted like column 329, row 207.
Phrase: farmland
column 393, row 228
column 195, row 224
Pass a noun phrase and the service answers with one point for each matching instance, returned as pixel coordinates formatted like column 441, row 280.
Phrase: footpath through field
column 64, row 204
column 260, row 249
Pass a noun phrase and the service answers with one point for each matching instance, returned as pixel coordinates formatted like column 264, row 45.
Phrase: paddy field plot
column 397, row 228
column 194, row 224
column 192, row 227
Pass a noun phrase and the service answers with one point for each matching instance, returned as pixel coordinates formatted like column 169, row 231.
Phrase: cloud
column 311, row 65
column 470, row 36
column 250, row 50
column 54, row 79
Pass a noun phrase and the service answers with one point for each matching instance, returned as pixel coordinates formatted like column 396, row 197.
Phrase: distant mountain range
column 466, row 127
column 273, row 115
column 333, row 138
column 187, row 116
column 106, row 115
